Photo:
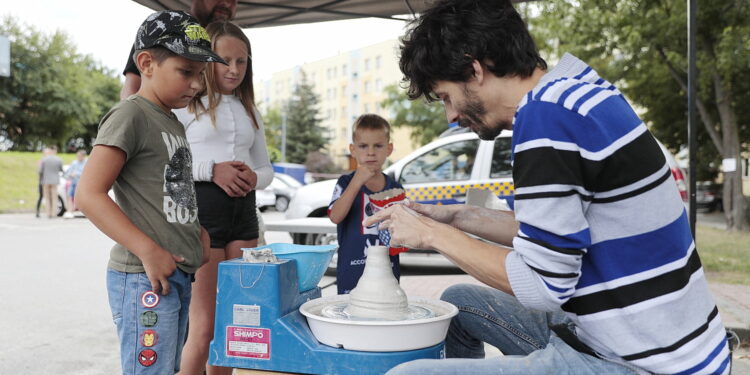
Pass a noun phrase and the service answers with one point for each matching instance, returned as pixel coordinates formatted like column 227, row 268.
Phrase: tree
column 304, row 133
column 426, row 120
column 53, row 93
column 642, row 47
column 272, row 122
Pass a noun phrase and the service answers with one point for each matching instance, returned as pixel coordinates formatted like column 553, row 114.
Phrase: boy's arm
column 104, row 166
column 341, row 207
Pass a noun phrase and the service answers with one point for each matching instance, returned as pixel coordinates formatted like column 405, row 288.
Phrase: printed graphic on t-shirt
column 180, row 205
column 367, row 211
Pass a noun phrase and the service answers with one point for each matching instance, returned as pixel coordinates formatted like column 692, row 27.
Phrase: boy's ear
column 390, row 148
column 351, row 149
column 145, row 62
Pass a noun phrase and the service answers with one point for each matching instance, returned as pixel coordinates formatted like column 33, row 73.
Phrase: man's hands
column 160, row 264
column 443, row 214
column 407, row 227
column 235, row 178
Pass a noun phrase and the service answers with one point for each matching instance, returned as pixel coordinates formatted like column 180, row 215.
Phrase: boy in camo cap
column 142, row 153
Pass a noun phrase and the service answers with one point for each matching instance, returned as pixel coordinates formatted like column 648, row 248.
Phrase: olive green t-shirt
column 155, row 186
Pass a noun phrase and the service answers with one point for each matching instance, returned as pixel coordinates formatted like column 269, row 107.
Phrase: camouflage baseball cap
column 178, row 32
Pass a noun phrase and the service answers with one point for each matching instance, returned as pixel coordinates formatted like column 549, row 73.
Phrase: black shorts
column 225, row 218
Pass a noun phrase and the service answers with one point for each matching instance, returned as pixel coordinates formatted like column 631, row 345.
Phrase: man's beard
column 471, row 118
column 222, row 16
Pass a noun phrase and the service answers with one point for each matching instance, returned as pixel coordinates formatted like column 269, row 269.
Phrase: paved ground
column 55, row 319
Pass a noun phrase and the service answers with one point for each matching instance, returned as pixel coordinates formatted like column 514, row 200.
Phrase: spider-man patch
column 147, row 357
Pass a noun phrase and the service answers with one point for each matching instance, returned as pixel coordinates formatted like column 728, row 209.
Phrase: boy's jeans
column 151, row 336
column 523, row 335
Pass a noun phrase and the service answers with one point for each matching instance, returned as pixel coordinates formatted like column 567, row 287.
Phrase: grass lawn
column 725, row 255
column 19, row 180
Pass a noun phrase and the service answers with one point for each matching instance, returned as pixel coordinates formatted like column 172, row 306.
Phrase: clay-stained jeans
column 523, row 335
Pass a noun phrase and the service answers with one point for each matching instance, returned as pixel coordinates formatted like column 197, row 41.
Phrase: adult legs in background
column 202, row 310
column 50, row 199
column 39, row 200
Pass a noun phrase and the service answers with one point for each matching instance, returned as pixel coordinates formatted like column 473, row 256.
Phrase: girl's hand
column 227, row 176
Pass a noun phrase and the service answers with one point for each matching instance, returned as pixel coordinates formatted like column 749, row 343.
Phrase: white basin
column 379, row 335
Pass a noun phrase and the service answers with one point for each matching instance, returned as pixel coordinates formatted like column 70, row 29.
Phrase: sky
column 105, row 29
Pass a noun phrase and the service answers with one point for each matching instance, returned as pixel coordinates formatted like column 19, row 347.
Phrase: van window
column 501, row 159
column 451, row 162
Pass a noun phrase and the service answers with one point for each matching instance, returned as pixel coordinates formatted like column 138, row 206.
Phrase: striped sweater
column 603, row 233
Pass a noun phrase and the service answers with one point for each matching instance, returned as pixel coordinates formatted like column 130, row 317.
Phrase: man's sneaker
column 68, row 215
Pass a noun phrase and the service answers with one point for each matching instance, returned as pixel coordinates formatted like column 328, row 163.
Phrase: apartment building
column 348, row 85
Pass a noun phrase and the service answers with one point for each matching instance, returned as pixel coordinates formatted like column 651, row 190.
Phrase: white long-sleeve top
column 234, row 138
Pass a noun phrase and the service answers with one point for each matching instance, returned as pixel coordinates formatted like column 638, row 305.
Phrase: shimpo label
column 248, row 342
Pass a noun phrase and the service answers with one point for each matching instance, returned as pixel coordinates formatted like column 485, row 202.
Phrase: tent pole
column 692, row 143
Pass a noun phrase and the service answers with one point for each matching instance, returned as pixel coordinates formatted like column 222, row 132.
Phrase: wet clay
column 378, row 294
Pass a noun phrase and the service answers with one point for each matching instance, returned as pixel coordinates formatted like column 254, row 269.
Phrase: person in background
column 49, row 174
column 603, row 276
column 349, row 207
column 231, row 161
column 142, row 154
column 39, row 200
column 73, row 174
column 205, row 11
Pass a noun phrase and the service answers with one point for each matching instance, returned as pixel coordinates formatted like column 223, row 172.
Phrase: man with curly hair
column 598, row 272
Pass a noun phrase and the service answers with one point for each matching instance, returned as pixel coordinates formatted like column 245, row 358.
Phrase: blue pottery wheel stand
column 258, row 326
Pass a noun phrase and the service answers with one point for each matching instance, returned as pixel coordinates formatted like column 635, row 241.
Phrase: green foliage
column 54, row 95
column 272, row 130
column 425, row 120
column 304, row 132
column 641, row 46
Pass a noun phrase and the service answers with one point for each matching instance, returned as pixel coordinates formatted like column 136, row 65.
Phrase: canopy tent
column 265, row 13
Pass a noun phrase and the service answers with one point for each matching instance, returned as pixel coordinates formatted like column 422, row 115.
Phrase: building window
column 377, row 62
column 367, row 65
column 343, row 70
column 367, row 108
column 378, row 84
column 367, row 86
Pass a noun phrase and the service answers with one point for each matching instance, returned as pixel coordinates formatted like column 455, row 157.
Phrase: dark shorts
column 225, row 218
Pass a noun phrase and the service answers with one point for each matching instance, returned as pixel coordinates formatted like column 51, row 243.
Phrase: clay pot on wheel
column 378, row 294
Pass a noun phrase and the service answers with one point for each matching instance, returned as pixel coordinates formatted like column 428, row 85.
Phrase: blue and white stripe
column 604, row 235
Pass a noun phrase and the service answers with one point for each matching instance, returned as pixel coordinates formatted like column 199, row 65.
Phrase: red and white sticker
column 149, row 299
column 248, row 342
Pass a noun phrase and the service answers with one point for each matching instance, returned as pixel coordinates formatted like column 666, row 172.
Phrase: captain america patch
column 149, row 299
column 147, row 357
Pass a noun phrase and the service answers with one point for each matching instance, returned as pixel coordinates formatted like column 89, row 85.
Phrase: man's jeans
column 523, row 335
column 151, row 329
